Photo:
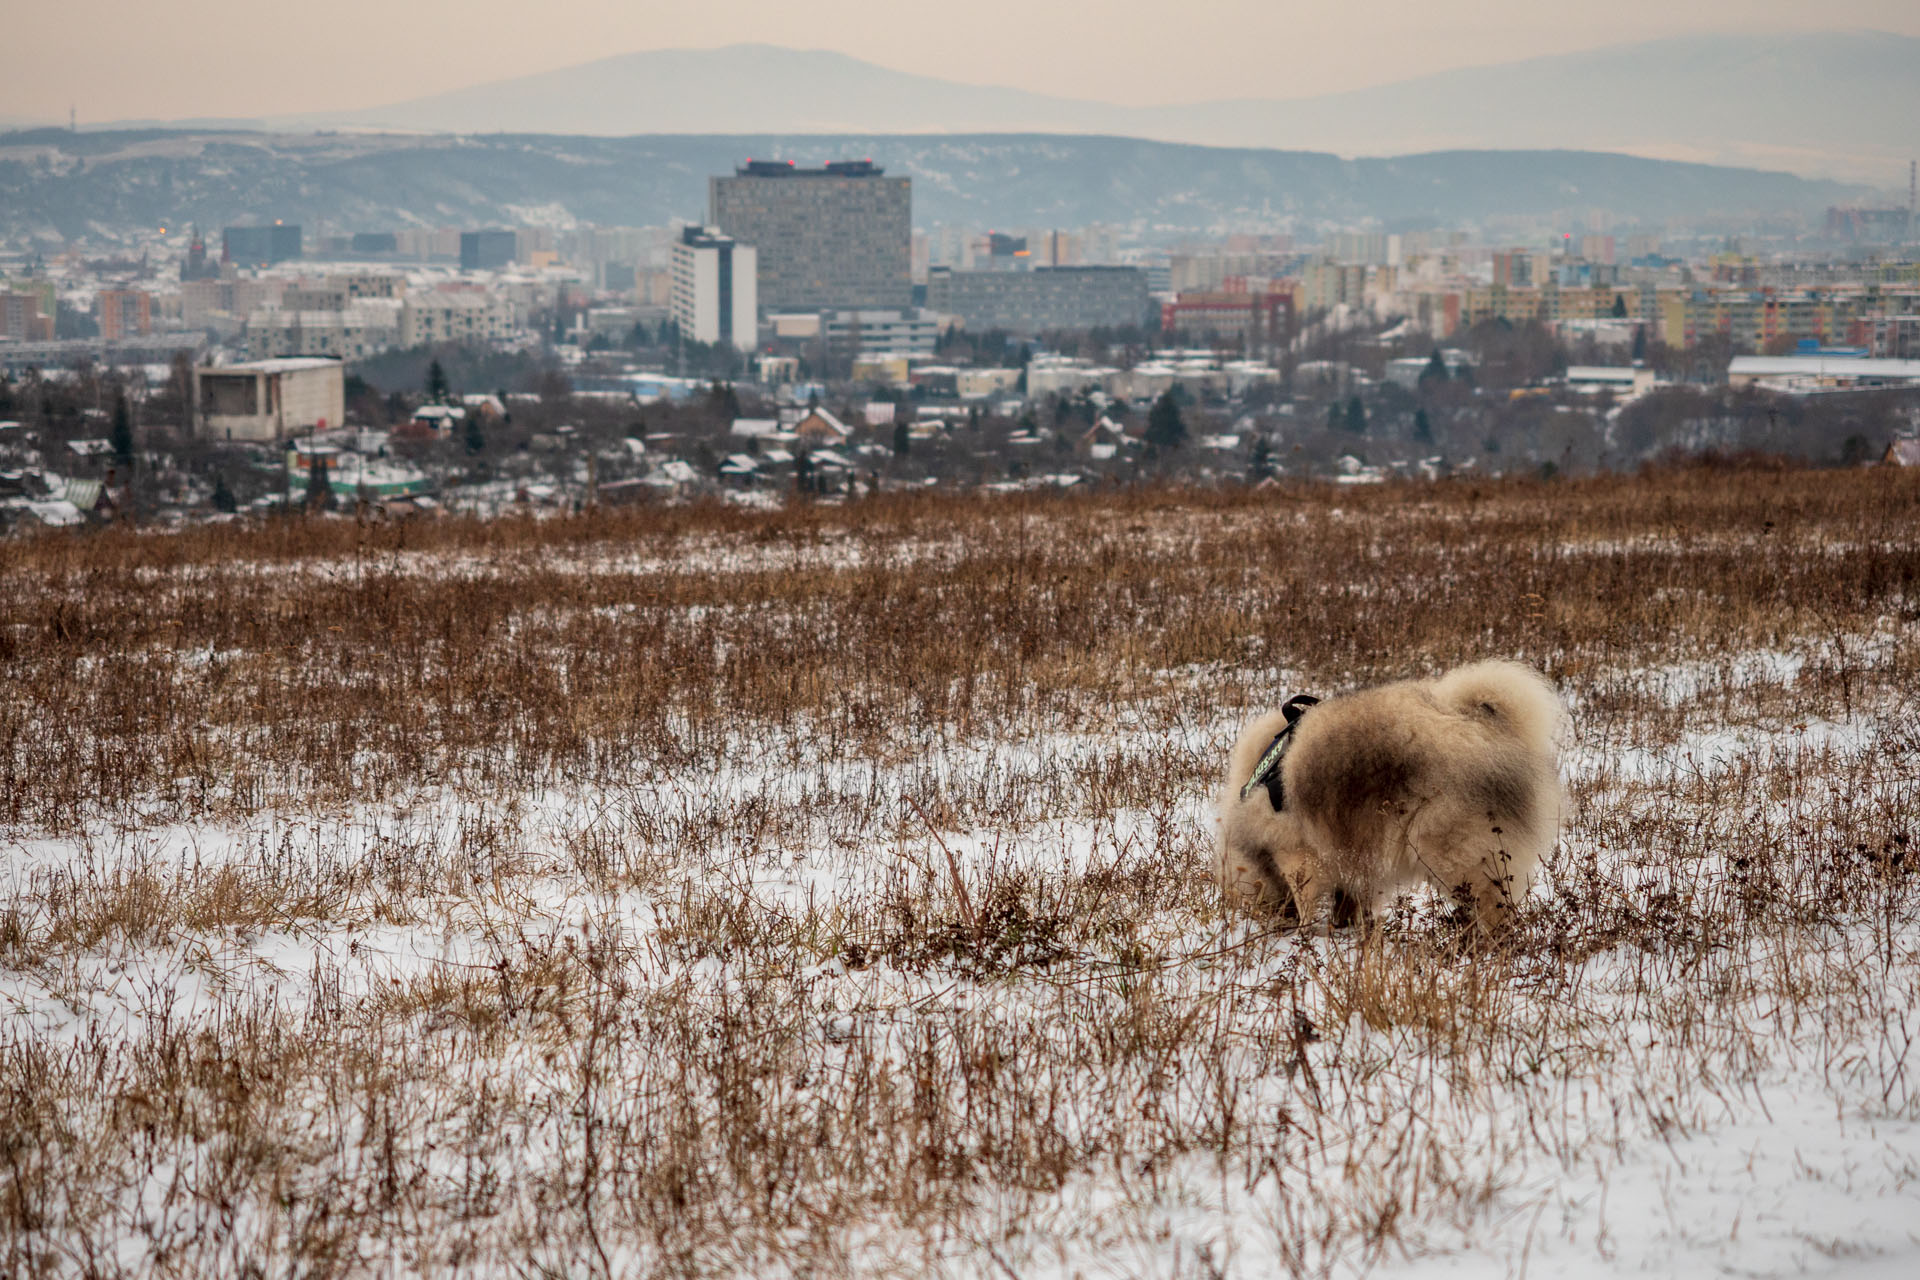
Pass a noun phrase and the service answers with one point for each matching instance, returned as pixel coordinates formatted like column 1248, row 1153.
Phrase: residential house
column 818, row 427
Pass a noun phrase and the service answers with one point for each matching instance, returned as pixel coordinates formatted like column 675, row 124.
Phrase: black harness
column 1267, row 772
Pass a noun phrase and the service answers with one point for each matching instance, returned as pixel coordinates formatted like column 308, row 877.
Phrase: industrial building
column 268, row 399
column 837, row 238
column 1822, row 372
column 715, row 288
column 1043, row 300
column 260, row 246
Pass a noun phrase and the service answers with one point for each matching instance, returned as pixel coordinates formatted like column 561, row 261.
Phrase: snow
column 1808, row 1165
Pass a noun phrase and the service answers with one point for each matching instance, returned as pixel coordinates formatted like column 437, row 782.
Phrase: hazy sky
column 114, row 59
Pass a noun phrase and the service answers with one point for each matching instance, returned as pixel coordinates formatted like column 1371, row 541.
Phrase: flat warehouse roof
column 289, row 364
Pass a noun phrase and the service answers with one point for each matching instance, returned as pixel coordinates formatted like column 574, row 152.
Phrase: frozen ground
column 825, row 894
column 1776, row 1135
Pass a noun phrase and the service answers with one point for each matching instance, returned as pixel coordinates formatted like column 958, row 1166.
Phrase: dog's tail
column 1515, row 698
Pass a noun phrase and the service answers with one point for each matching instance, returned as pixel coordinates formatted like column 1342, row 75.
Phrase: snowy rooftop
column 284, row 364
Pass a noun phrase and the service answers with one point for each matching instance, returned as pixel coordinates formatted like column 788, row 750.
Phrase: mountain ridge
column 60, row 184
column 1843, row 104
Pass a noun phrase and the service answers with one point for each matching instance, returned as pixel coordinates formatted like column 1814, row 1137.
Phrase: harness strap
column 1267, row 772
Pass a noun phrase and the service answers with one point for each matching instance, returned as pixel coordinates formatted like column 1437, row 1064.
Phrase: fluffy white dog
column 1452, row 782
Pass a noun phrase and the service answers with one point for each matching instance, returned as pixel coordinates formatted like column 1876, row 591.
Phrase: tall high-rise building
column 714, row 288
column 833, row 238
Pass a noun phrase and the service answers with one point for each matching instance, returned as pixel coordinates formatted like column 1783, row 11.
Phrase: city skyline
column 153, row 64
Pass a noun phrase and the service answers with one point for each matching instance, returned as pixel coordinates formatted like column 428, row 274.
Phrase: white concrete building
column 268, row 399
column 427, row 319
column 348, row 333
column 716, row 292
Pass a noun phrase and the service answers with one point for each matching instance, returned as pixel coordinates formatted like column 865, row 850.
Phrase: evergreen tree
column 722, row 399
column 1422, row 427
column 1639, row 343
column 122, row 429
column 1619, row 306
column 902, row 439
column 223, row 499
column 1356, row 416
column 1436, row 370
column 436, row 382
column 1166, row 429
column 1260, row 464
column 476, row 439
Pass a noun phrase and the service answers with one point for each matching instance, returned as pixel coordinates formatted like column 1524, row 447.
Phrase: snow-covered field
column 827, row 896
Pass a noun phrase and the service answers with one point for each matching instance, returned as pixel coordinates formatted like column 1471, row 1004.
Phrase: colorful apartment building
column 124, row 313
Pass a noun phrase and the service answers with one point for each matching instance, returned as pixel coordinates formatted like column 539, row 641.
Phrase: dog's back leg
column 1478, row 857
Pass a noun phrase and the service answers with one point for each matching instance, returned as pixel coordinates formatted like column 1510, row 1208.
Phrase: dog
column 1452, row 781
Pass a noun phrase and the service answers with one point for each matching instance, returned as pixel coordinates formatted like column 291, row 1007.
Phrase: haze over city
column 210, row 58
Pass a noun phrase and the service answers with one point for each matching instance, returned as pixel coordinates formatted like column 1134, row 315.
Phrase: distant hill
column 1835, row 104
column 69, row 184
column 1831, row 104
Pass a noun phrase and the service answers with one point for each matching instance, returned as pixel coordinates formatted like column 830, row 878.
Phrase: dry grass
column 821, row 891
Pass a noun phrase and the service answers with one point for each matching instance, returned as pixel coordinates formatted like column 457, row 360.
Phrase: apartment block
column 715, row 288
column 431, row 318
column 837, row 238
column 346, row 333
column 124, row 313
column 1043, row 300
column 21, row 318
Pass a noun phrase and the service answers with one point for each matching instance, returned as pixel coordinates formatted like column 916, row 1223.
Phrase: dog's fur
column 1452, row 781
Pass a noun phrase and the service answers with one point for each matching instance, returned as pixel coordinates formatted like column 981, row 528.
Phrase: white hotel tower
column 716, row 295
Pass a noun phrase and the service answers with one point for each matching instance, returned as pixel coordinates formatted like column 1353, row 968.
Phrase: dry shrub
column 825, row 890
